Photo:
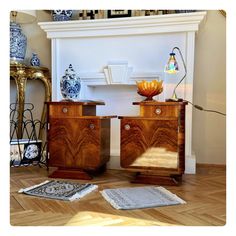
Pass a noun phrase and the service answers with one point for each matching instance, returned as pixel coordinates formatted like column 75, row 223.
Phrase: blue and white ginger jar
column 62, row 15
column 70, row 85
column 34, row 61
column 18, row 43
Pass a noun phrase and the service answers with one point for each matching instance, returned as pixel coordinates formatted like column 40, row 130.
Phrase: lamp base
column 174, row 100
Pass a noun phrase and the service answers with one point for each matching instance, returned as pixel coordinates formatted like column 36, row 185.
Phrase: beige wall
column 38, row 43
column 209, row 129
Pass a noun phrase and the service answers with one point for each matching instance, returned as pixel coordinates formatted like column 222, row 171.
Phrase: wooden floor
column 205, row 194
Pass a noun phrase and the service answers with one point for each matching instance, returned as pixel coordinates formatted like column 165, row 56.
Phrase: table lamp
column 18, row 40
column 173, row 68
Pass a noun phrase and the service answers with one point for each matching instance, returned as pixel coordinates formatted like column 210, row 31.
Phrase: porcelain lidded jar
column 18, row 43
column 70, row 85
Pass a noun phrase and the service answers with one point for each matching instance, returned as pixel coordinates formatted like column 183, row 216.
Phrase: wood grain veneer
column 147, row 135
column 78, row 140
column 153, row 142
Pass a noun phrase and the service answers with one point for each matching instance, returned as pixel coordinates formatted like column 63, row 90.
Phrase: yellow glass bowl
column 149, row 89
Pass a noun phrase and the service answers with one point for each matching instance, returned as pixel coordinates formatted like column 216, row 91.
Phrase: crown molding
column 124, row 26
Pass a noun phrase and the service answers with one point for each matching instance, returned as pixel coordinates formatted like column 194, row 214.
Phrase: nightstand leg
column 66, row 173
column 171, row 180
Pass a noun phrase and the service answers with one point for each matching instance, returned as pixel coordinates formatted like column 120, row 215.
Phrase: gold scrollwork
column 21, row 73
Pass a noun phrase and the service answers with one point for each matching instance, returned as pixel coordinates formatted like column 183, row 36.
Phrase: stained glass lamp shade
column 173, row 68
column 172, row 65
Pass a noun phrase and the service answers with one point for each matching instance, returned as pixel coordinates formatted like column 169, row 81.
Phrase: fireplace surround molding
column 144, row 44
column 124, row 26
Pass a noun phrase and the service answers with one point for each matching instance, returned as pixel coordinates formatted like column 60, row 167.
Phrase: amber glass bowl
column 149, row 89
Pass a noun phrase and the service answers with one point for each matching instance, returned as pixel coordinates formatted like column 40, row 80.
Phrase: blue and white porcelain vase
column 34, row 61
column 18, row 43
column 70, row 85
column 62, row 15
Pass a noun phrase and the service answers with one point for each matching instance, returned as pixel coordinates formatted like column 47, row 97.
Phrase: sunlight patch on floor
column 89, row 218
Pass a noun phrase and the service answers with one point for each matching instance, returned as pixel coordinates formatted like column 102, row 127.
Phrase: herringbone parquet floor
column 205, row 194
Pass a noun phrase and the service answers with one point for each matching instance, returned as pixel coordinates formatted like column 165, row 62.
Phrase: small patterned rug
column 140, row 197
column 59, row 190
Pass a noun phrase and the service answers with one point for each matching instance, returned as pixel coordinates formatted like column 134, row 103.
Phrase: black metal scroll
column 27, row 149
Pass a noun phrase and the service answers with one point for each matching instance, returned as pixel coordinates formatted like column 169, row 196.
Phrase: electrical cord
column 202, row 109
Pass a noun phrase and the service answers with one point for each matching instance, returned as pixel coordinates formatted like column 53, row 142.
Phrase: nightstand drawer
column 64, row 111
column 159, row 111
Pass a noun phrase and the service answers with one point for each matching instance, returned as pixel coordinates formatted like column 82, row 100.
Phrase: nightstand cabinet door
column 149, row 143
column 74, row 143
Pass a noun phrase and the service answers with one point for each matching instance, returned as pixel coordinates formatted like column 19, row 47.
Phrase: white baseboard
column 115, row 152
column 114, row 163
column 190, row 164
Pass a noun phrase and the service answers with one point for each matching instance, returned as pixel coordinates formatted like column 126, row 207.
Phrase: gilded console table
column 21, row 73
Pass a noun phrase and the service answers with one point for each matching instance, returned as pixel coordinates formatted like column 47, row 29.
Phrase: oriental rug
column 59, row 190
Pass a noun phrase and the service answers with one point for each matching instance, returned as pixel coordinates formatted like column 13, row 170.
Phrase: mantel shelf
column 124, row 26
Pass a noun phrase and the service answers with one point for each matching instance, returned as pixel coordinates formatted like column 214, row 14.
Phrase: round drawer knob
column 91, row 126
column 127, row 127
column 64, row 109
column 158, row 111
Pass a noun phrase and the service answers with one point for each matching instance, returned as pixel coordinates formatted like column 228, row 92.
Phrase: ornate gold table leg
column 20, row 79
column 21, row 73
column 47, row 86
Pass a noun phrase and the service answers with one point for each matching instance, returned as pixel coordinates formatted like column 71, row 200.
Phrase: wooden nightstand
column 78, row 140
column 153, row 144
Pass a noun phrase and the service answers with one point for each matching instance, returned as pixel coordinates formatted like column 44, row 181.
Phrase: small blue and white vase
column 18, row 43
column 70, row 85
column 34, row 61
column 62, row 15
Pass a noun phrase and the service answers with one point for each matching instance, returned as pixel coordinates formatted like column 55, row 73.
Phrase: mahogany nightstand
column 153, row 144
column 78, row 140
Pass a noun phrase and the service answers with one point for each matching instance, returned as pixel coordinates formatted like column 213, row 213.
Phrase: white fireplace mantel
column 124, row 26
column 144, row 43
